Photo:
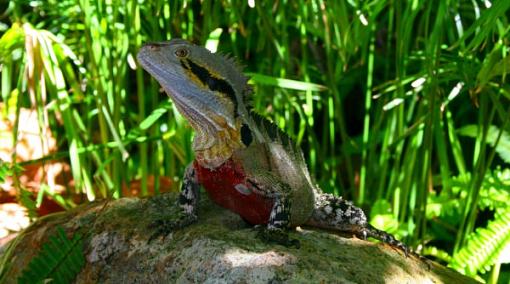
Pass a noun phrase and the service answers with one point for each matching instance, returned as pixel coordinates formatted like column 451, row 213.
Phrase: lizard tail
column 335, row 213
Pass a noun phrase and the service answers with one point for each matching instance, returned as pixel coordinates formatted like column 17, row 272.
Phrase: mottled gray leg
column 188, row 198
column 280, row 214
column 276, row 231
column 187, row 202
column 334, row 213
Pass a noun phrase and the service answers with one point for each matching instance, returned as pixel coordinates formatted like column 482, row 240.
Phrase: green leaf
column 155, row 115
column 503, row 146
column 12, row 39
column 382, row 218
column 214, row 40
column 285, row 83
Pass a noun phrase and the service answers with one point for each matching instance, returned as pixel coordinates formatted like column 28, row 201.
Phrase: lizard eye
column 181, row 52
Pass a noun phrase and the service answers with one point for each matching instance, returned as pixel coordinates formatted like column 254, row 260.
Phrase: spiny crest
column 230, row 64
column 273, row 132
column 231, row 60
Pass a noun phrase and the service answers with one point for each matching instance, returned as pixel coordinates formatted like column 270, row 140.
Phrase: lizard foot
column 389, row 239
column 370, row 231
column 277, row 236
column 164, row 226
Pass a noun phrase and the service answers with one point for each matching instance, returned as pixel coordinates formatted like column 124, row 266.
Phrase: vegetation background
column 401, row 106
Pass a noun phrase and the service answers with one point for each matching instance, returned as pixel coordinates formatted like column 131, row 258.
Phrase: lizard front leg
column 276, row 231
column 187, row 203
column 337, row 214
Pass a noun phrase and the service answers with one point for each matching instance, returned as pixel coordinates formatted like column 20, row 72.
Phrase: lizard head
column 206, row 88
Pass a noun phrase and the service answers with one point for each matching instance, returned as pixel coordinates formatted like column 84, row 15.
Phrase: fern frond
column 484, row 247
column 494, row 194
column 59, row 260
column 495, row 191
column 437, row 253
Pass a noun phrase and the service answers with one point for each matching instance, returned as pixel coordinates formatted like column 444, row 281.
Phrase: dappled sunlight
column 401, row 107
column 239, row 258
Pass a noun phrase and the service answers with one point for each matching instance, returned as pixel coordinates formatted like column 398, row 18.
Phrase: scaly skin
column 245, row 163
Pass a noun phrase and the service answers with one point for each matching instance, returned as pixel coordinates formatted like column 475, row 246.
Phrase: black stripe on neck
column 246, row 136
column 213, row 83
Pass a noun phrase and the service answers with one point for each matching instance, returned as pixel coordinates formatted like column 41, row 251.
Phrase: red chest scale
column 226, row 185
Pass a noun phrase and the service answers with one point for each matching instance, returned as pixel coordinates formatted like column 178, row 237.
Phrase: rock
column 220, row 248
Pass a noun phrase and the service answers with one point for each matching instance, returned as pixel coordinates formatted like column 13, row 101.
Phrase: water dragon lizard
column 245, row 163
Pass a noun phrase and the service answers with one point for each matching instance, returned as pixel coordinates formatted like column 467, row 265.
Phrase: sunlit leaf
column 285, row 83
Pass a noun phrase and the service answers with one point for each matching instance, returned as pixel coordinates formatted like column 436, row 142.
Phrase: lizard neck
column 209, row 90
column 213, row 147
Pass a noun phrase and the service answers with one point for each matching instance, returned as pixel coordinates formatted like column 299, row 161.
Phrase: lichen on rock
column 219, row 248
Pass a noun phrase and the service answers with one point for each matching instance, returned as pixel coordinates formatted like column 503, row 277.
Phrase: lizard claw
column 278, row 236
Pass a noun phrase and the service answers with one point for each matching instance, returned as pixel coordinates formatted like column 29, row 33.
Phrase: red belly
column 220, row 186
